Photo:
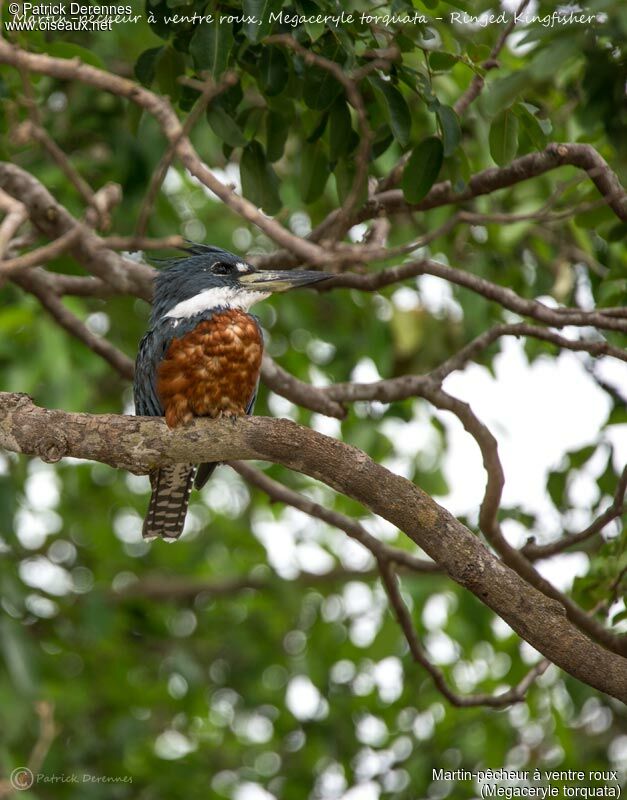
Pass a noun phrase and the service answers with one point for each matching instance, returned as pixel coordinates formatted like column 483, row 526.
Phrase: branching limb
column 209, row 92
column 401, row 612
column 160, row 587
column 469, row 96
column 32, row 282
column 75, row 70
column 490, row 526
column 366, row 136
column 53, row 220
column 507, row 298
column 613, row 511
column 142, row 443
column 15, row 214
column 299, row 392
column 350, row 526
column 532, row 165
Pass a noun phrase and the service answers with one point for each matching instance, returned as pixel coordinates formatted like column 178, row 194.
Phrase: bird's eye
column 222, row 268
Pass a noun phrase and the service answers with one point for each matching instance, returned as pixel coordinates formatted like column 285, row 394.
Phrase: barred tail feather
column 171, row 487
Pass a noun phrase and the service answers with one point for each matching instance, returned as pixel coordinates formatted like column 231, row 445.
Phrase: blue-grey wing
column 151, row 351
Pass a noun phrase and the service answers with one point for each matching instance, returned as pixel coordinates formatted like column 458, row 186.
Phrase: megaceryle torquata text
column 201, row 358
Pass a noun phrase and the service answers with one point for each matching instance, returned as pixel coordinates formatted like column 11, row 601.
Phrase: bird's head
column 209, row 277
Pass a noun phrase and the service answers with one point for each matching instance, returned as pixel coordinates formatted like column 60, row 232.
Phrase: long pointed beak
column 271, row 280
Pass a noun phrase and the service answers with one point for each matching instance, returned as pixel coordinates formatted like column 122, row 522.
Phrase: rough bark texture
column 140, row 443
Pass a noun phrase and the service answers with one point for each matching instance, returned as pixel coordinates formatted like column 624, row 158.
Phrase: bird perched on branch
column 201, row 358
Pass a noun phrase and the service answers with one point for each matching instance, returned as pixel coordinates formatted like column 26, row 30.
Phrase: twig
column 350, row 526
column 559, row 317
column 160, row 108
column 42, row 254
column 210, row 90
column 613, row 511
column 304, row 394
column 509, row 697
column 477, row 83
column 15, row 214
column 120, row 362
column 472, row 92
column 349, row 83
column 37, row 131
column 47, row 733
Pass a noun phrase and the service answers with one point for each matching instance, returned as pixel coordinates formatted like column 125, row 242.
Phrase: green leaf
column 310, row 10
column 579, row 457
column 556, row 484
column 504, row 138
column 273, row 71
column 618, row 416
column 618, row 233
column 146, row 65
column 594, row 217
column 340, row 130
column 224, row 126
column 256, row 30
column 451, row 132
column 478, row 52
column 320, row 88
column 314, row 125
column 422, row 169
column 502, row 92
column 314, row 171
column 549, row 59
column 169, row 66
column 439, row 61
column 70, row 50
column 210, row 47
column 344, row 180
column 395, row 109
column 277, row 129
column 259, row 181
column 530, row 125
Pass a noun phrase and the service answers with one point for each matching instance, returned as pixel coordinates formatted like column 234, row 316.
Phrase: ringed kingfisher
column 201, row 357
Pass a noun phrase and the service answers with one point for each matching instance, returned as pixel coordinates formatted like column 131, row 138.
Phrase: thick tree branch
column 138, row 444
column 53, row 220
column 532, row 165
